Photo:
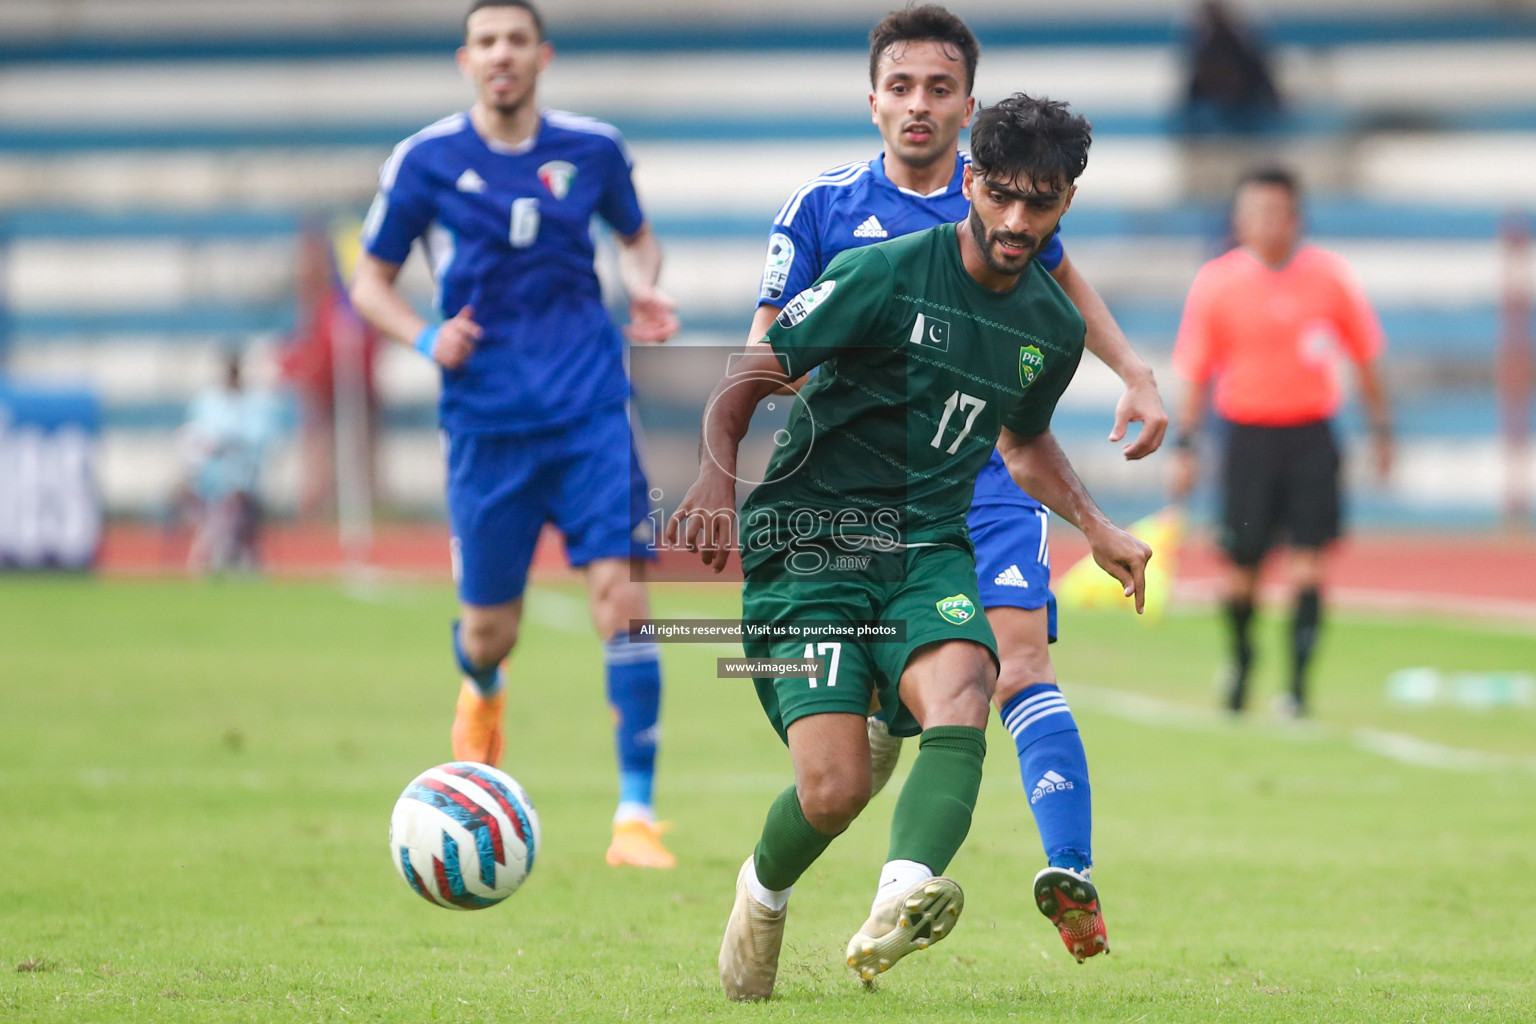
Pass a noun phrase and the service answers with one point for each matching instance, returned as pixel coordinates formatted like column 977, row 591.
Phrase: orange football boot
column 637, row 842
column 477, row 729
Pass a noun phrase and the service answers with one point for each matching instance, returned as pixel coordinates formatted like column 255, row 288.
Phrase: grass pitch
column 195, row 785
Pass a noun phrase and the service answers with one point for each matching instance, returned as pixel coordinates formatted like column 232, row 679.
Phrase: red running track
column 1465, row 572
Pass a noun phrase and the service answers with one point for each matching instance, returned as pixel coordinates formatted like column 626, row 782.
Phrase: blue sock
column 634, row 693
column 486, row 680
column 1055, row 773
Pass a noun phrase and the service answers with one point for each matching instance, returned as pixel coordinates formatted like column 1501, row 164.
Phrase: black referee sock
column 1304, row 629
column 1239, row 616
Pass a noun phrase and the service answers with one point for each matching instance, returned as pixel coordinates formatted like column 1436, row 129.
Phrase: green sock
column 790, row 844
column 933, row 813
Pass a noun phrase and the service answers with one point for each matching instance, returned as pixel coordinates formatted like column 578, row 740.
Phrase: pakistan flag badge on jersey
column 1031, row 362
column 957, row 609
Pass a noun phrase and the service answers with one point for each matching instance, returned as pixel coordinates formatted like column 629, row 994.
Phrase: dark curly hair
column 538, row 22
column 1040, row 140
column 929, row 23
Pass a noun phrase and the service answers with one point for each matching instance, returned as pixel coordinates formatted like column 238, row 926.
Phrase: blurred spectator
column 224, row 444
column 1231, row 88
column 326, row 325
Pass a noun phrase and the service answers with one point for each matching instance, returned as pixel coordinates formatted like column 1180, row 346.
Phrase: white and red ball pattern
column 464, row 835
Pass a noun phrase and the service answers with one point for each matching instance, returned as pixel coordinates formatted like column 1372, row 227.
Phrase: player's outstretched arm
column 761, row 321
column 705, row 521
column 1040, row 467
column 652, row 313
column 1140, row 402
column 378, row 301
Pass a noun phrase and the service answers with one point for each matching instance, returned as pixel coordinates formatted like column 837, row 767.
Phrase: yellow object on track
column 1085, row 585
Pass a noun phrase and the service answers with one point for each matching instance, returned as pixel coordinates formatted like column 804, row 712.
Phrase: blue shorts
column 1013, row 560
column 584, row 477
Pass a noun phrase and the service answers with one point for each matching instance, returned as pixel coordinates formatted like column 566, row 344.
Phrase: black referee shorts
column 1280, row 484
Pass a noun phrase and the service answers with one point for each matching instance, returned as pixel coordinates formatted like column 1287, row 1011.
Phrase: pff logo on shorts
column 957, row 609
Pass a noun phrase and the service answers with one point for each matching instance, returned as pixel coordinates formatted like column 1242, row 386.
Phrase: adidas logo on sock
column 871, row 228
column 1049, row 783
column 1011, row 577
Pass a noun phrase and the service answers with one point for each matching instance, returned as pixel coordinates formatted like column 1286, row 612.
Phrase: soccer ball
column 463, row 835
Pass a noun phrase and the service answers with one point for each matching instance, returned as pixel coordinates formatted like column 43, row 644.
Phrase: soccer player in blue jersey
column 534, row 396
column 922, row 67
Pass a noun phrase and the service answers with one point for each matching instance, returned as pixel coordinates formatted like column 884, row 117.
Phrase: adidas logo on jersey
column 1050, row 782
column 871, row 228
column 469, row 181
column 1010, row 577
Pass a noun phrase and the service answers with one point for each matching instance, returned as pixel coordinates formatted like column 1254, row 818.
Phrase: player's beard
column 985, row 241
column 507, row 106
column 510, row 107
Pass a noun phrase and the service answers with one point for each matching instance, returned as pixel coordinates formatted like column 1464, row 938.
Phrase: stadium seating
column 146, row 224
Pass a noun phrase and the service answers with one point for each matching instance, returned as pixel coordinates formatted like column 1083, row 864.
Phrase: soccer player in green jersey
column 922, row 67
column 933, row 349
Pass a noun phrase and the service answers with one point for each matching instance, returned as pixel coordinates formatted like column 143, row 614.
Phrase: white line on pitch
column 1400, row 747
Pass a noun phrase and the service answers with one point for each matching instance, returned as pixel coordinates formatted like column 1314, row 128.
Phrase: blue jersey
column 855, row 205
column 508, row 231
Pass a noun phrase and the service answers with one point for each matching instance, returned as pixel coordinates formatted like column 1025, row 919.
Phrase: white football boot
column 749, row 953
column 884, row 752
column 913, row 920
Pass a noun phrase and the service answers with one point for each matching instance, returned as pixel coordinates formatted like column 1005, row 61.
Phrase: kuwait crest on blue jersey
column 557, row 176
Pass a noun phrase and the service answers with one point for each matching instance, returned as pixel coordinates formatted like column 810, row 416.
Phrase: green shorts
column 934, row 594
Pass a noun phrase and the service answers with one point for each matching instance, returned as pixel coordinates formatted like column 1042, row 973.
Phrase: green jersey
column 920, row 369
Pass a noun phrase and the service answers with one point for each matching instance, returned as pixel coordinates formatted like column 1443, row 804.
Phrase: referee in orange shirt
column 1265, row 325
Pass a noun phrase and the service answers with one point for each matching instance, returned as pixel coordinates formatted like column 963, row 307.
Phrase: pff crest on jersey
column 1031, row 362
